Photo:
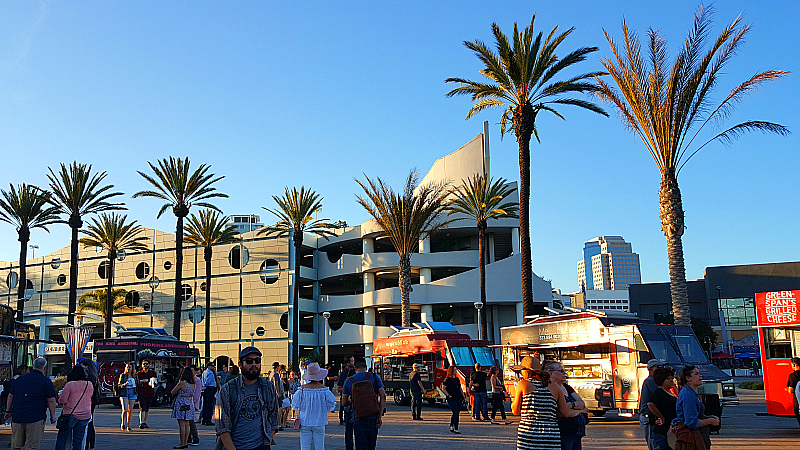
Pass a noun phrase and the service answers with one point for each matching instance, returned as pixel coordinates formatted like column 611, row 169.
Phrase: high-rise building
column 608, row 264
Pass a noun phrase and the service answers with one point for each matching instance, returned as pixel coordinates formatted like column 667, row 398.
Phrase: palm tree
column 295, row 214
column 208, row 230
column 78, row 192
column 26, row 207
column 668, row 106
column 96, row 301
column 521, row 80
column 482, row 199
column 181, row 190
column 405, row 217
column 113, row 234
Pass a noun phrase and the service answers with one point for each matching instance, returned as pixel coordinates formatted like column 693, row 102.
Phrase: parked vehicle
column 605, row 355
column 17, row 347
column 434, row 345
column 166, row 354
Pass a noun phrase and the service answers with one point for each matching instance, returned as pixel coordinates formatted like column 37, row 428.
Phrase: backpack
column 364, row 399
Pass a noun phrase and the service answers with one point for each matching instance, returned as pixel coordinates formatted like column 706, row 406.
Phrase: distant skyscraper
column 608, row 263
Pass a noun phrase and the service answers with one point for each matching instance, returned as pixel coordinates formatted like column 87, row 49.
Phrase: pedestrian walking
column 275, row 377
column 791, row 386
column 127, row 395
column 365, row 395
column 662, row 406
column 247, row 407
column 536, row 401
column 691, row 424
column 76, row 409
column 31, row 396
column 345, row 415
column 498, row 395
column 223, row 373
column 480, row 399
column 648, row 387
column 184, row 407
column 194, row 437
column 210, row 385
column 415, row 381
column 313, row 401
column 91, row 376
column 572, row 414
column 451, row 386
column 234, row 373
column 145, row 391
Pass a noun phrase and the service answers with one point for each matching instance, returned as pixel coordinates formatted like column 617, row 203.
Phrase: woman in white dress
column 313, row 401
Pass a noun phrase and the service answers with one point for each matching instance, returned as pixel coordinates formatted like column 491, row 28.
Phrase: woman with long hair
column 692, row 430
column 314, row 401
column 536, row 400
column 127, row 384
column 91, row 376
column 455, row 397
column 183, row 409
column 76, row 399
column 498, row 395
column 572, row 412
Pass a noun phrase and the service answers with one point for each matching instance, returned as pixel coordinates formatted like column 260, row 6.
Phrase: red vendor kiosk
column 779, row 338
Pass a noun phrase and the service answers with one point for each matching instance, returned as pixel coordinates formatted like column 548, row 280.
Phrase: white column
column 490, row 247
column 367, row 245
column 520, row 318
column 369, row 282
column 425, row 245
column 424, row 275
column 426, row 313
column 369, row 332
column 515, row 241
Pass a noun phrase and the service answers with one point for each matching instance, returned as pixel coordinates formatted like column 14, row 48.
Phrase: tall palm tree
column 482, row 199
column 78, row 192
column 180, row 189
column 96, row 301
column 207, row 230
column 521, row 81
column 113, row 234
column 26, row 207
column 405, row 217
column 668, row 106
column 295, row 214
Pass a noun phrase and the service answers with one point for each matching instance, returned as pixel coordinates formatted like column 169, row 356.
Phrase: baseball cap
column 656, row 362
column 249, row 350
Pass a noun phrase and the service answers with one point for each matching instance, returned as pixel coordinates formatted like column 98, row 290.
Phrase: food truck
column 605, row 355
column 166, row 354
column 779, row 338
column 17, row 347
column 434, row 345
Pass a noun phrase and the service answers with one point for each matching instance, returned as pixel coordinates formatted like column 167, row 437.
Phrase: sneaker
column 508, row 422
column 195, row 443
column 457, row 432
column 494, row 422
column 144, row 425
column 141, row 426
column 452, row 430
column 122, row 427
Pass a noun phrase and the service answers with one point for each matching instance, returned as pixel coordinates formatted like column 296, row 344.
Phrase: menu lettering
column 777, row 308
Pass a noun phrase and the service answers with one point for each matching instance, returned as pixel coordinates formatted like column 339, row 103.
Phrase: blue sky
column 316, row 93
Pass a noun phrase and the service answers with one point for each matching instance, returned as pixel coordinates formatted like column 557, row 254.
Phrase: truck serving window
column 484, row 356
column 462, row 356
column 690, row 349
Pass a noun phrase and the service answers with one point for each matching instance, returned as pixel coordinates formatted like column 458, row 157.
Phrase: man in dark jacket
column 791, row 385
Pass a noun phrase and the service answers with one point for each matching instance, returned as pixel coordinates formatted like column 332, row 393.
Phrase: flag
column 76, row 340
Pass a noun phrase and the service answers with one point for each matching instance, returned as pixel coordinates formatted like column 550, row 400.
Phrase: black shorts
column 145, row 403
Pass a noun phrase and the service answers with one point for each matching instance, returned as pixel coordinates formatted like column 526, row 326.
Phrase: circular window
column 61, row 279
column 28, row 284
column 132, row 299
column 167, row 265
column 270, row 271
column 203, row 286
column 98, row 250
column 187, row 292
column 285, row 321
column 142, row 270
column 121, row 255
column 236, row 259
column 55, row 263
column 12, row 279
column 102, row 270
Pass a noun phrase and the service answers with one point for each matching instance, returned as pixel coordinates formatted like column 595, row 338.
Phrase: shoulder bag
column 63, row 420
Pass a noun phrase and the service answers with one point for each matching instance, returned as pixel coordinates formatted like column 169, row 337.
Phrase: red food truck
column 434, row 345
column 779, row 337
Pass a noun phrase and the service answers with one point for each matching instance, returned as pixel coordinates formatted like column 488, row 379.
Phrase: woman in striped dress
column 537, row 402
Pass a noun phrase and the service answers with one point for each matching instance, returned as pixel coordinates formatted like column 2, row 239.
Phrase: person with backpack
column 247, row 407
column 364, row 394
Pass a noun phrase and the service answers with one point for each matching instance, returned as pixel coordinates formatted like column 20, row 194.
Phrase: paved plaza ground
column 742, row 429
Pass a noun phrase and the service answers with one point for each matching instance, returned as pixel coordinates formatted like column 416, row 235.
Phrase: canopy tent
column 722, row 355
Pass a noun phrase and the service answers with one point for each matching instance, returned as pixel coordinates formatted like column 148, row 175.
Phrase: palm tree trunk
column 73, row 268
column 672, row 223
column 523, row 121
column 207, row 257
column 297, row 239
column 482, row 269
column 178, row 303
column 22, row 283
column 405, row 288
column 112, row 256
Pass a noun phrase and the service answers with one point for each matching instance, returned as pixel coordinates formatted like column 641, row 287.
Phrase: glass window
column 623, row 357
column 484, row 356
column 462, row 356
column 661, row 348
column 690, row 349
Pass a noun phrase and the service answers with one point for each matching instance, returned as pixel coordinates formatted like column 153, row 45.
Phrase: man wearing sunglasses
column 247, row 408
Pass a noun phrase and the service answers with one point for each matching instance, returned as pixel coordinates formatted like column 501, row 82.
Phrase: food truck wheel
column 400, row 398
column 598, row 412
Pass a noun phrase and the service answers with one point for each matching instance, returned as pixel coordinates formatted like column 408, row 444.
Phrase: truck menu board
column 777, row 308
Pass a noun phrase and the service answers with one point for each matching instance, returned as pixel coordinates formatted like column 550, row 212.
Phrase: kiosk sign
column 777, row 308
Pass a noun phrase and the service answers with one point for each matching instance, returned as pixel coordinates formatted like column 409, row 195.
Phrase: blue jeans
column 570, row 442
column 75, row 430
column 647, row 431
column 366, row 432
column 348, row 428
column 481, row 405
column 659, row 441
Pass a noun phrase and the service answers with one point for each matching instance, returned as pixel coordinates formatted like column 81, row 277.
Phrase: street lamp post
column 252, row 336
column 153, row 282
column 327, row 316
column 479, row 306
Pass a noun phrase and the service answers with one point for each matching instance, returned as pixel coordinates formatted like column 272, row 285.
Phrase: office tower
column 608, row 264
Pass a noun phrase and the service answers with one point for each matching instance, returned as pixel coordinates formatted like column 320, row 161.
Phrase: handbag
column 62, row 423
